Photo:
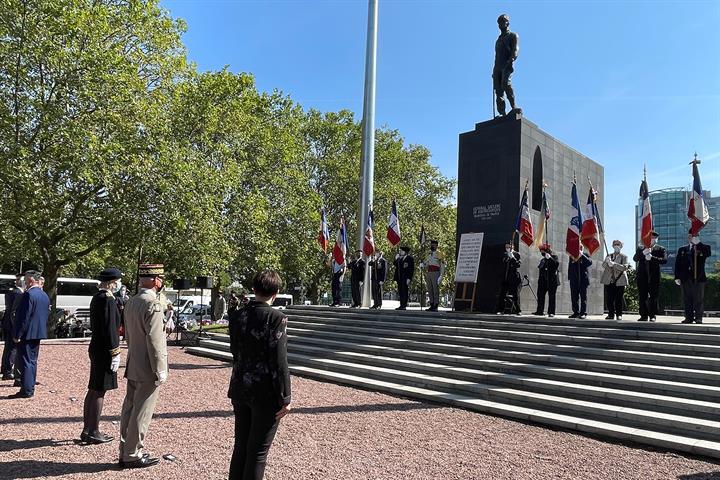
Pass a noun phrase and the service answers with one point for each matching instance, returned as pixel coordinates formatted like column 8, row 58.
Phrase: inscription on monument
column 486, row 212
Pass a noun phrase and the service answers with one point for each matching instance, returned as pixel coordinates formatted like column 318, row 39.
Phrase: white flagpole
column 368, row 140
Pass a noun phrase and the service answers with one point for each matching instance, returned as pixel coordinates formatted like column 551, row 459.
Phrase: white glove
column 115, row 363
column 677, row 281
column 407, row 281
column 510, row 254
column 647, row 251
column 161, row 378
column 648, row 256
column 381, row 283
column 611, row 263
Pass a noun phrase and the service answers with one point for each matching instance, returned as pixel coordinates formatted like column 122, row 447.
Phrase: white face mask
column 695, row 240
column 117, row 287
column 617, row 248
column 653, row 241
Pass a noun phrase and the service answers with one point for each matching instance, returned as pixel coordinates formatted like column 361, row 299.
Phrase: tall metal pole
column 368, row 140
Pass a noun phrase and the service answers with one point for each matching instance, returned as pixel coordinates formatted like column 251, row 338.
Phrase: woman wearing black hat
column 104, row 353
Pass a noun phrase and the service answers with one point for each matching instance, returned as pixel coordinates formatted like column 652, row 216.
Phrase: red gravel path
column 334, row 433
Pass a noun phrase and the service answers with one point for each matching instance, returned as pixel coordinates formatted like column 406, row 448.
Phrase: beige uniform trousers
column 137, row 411
column 433, row 287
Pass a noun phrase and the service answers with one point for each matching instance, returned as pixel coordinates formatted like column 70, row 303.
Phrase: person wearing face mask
column 357, row 276
column 146, row 366
column 435, row 269
column 378, row 272
column 548, row 280
column 404, row 271
column 648, row 276
column 615, row 279
column 510, row 282
column 104, row 352
column 690, row 276
column 12, row 302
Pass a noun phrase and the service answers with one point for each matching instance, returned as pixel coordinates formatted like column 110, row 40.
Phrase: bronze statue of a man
column 506, row 51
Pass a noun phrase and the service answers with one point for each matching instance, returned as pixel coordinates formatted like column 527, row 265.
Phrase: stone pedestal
column 494, row 162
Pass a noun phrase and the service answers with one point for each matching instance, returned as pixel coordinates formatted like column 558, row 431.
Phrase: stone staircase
column 655, row 384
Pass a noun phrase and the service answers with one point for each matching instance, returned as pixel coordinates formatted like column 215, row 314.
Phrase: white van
column 73, row 294
column 282, row 300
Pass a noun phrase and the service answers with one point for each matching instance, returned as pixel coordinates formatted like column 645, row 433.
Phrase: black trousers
column 356, row 294
column 578, row 292
column 337, row 288
column 9, row 354
column 614, row 296
column 28, row 350
column 693, row 299
column 403, row 292
column 255, row 428
column 507, row 288
column 377, row 293
column 648, row 293
column 542, row 290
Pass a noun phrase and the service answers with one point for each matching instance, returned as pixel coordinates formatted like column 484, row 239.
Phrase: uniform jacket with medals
column 652, row 266
column 685, row 262
column 512, row 265
column 378, row 269
column 145, row 335
column 357, row 270
column 104, row 323
column 617, row 274
column 404, row 268
column 548, row 275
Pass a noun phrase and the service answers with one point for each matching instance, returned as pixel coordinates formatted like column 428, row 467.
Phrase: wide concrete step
column 596, row 340
column 568, row 389
column 625, row 416
column 613, row 331
column 562, row 420
column 441, row 317
column 653, row 358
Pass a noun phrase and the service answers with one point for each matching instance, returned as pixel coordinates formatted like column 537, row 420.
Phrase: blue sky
column 624, row 82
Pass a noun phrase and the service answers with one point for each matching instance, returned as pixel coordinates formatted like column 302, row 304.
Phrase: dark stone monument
column 494, row 162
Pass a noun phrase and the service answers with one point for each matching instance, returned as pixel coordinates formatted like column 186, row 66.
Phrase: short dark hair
column 267, row 283
column 34, row 274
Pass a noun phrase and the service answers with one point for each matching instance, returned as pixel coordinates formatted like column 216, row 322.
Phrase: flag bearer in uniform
column 404, row 271
column 378, row 274
column 690, row 275
column 548, row 280
column 648, row 277
column 357, row 276
column 511, row 280
column 146, row 367
column 435, row 269
column 104, row 352
column 579, row 279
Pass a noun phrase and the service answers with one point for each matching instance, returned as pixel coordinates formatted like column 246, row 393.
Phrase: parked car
column 195, row 314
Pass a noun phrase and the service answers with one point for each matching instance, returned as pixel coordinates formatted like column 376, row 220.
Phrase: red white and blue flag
column 369, row 240
column 646, row 220
column 324, row 234
column 542, row 220
column 589, row 233
column 393, row 231
column 697, row 209
column 340, row 248
column 572, row 238
column 523, row 225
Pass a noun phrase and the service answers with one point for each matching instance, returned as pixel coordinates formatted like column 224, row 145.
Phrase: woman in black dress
column 104, row 354
column 260, row 382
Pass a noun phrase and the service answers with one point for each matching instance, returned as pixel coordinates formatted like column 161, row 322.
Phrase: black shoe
column 401, row 308
column 574, row 315
column 97, row 439
column 698, row 321
column 642, row 319
column 8, row 376
column 17, row 383
column 652, row 319
column 610, row 317
column 687, row 320
column 538, row 313
column 144, row 462
column 20, row 394
column 551, row 315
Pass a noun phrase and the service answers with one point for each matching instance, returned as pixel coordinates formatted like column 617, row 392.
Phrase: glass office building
column 669, row 211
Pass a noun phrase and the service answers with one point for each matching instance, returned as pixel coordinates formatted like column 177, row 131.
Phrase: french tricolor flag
column 324, row 234
column 646, row 225
column 590, row 224
column 697, row 210
column 524, row 226
column 572, row 238
column 393, row 231
column 340, row 248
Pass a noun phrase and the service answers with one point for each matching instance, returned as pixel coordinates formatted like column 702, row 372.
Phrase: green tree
column 82, row 86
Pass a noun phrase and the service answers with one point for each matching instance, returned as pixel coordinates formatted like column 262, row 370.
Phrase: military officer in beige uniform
column 435, row 268
column 147, row 366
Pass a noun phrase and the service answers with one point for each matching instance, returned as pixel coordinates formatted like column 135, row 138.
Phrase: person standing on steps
column 404, row 271
column 378, row 274
column 690, row 276
column 510, row 281
column 548, row 280
column 648, row 277
column 615, row 279
column 435, row 269
column 579, row 282
column 357, row 276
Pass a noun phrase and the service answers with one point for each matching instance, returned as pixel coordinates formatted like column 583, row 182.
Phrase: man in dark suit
column 12, row 301
column 579, row 283
column 404, row 271
column 548, row 280
column 357, row 277
column 648, row 277
column 510, row 281
column 690, row 275
column 30, row 327
column 378, row 274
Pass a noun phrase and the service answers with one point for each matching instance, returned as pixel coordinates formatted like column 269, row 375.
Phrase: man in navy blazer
column 690, row 275
column 12, row 301
column 30, row 326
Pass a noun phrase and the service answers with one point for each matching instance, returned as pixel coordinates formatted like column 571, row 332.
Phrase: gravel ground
column 334, row 433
